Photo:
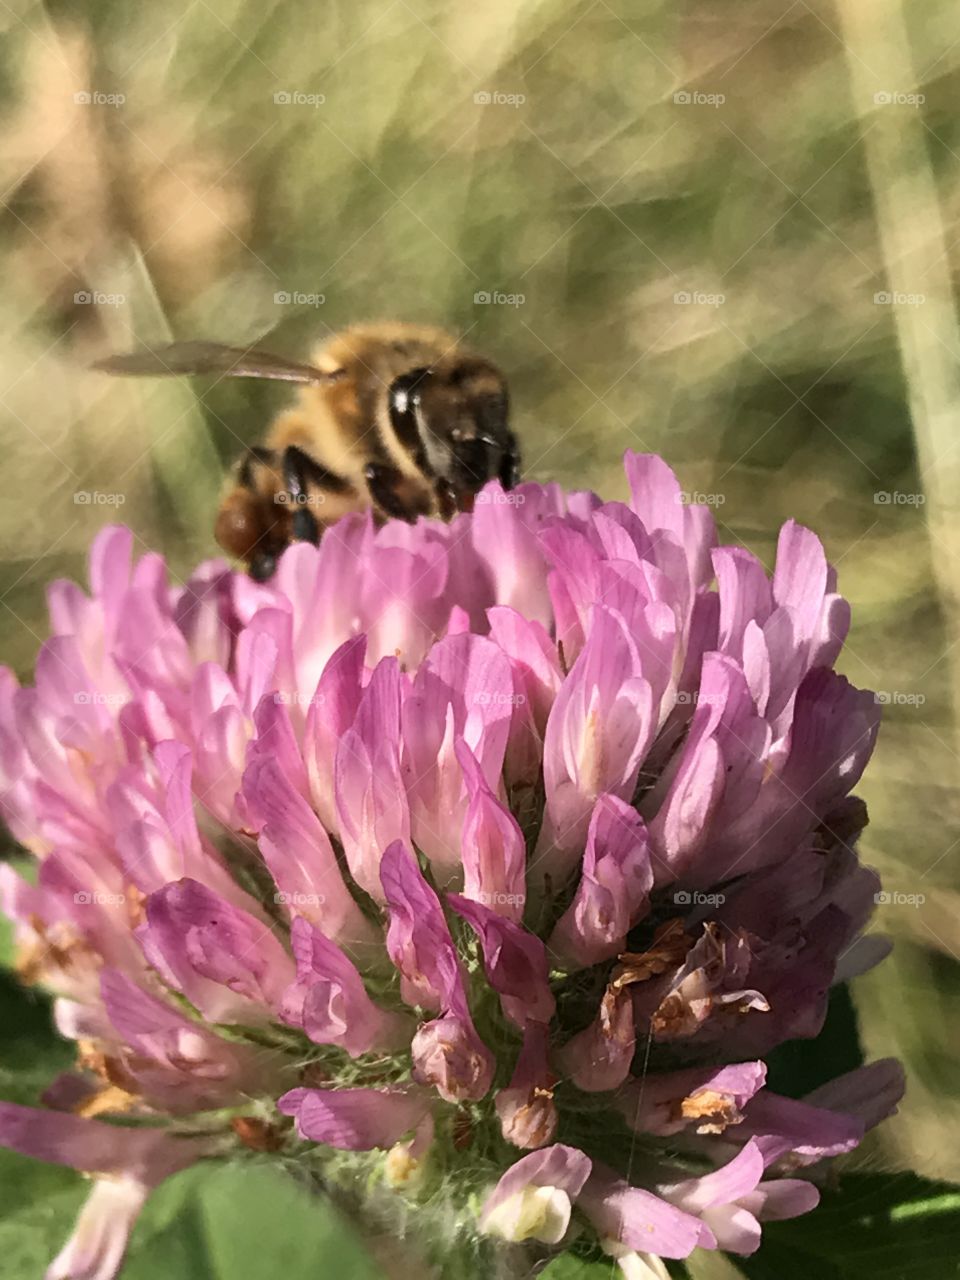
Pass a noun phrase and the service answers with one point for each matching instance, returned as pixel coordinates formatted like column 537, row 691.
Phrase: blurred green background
column 724, row 232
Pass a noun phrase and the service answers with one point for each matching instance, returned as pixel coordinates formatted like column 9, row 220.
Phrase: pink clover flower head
column 465, row 855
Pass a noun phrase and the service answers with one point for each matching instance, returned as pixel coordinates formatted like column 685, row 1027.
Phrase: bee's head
column 453, row 418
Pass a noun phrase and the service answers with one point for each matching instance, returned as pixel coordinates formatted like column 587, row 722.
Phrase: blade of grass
column 914, row 249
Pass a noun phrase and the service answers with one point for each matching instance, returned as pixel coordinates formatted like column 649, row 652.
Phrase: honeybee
column 398, row 417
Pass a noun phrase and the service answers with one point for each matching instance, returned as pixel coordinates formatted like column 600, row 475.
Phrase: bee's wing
column 186, row 358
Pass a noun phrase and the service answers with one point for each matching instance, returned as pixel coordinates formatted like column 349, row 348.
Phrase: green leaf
column 570, row 1267
column 253, row 1212
column 799, row 1066
column 212, row 1222
column 33, row 1052
column 27, row 868
column 39, row 1203
column 7, row 945
column 876, row 1226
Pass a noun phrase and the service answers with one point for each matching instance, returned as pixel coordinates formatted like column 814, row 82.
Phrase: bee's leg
column 300, row 473
column 382, row 481
column 263, row 557
column 447, row 505
column 262, row 566
column 393, row 493
column 247, row 526
column 509, row 475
